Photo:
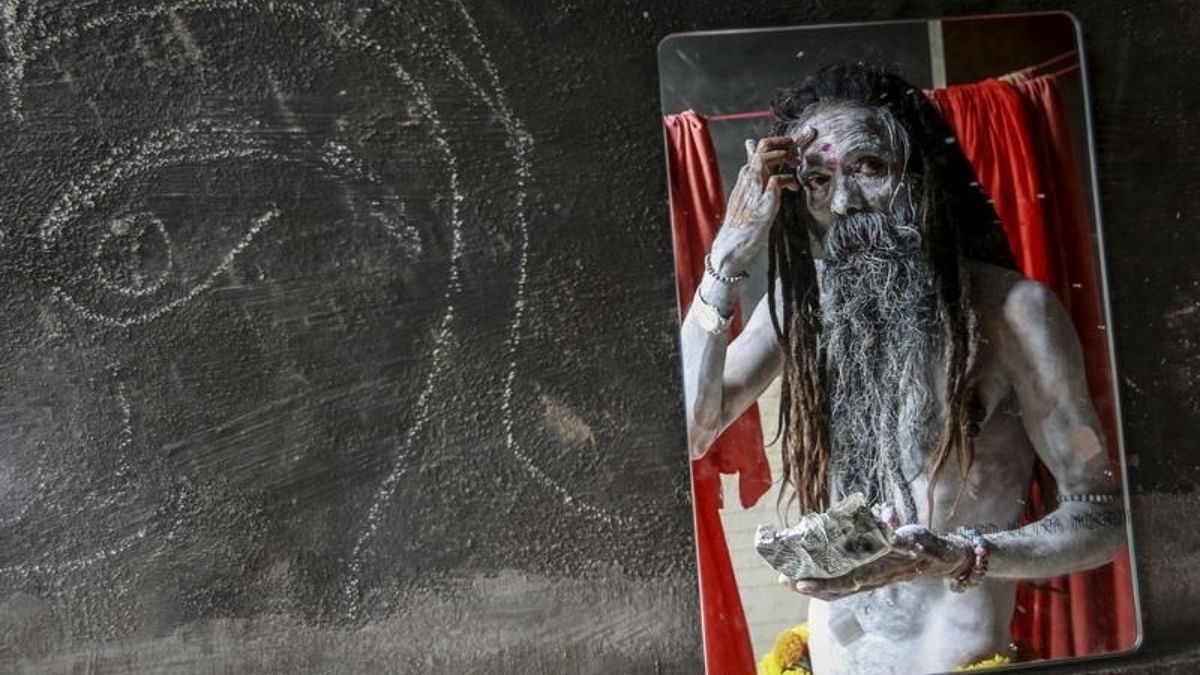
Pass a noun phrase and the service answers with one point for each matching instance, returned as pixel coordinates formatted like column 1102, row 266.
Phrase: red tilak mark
column 826, row 147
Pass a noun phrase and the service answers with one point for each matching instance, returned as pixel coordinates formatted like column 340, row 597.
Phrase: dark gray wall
column 304, row 366
column 276, row 438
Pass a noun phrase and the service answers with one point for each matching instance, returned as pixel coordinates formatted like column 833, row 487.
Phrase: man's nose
column 847, row 200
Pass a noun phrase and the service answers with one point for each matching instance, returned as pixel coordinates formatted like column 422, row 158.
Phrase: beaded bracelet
column 978, row 570
column 728, row 281
column 1094, row 498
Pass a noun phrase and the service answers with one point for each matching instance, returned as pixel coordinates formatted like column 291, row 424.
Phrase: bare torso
column 921, row 625
column 898, row 614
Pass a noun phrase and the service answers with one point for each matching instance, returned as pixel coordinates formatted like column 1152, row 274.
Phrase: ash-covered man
column 918, row 368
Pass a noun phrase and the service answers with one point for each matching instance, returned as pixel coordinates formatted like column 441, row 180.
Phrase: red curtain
column 1017, row 138
column 697, row 206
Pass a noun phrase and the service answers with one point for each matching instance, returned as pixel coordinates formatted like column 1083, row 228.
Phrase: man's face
column 854, row 165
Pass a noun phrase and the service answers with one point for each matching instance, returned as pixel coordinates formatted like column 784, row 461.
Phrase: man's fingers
column 779, row 182
column 825, row 586
column 809, row 587
column 776, row 143
column 805, row 586
column 757, row 184
column 767, row 162
column 773, row 184
column 772, row 157
column 915, row 536
column 773, row 150
column 788, row 182
column 768, row 153
column 829, row 589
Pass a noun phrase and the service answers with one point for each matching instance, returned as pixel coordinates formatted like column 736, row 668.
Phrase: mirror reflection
column 899, row 396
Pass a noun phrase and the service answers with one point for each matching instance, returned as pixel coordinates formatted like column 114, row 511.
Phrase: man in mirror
column 918, row 367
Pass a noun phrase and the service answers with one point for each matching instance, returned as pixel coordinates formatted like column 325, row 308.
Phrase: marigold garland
column 790, row 656
column 997, row 660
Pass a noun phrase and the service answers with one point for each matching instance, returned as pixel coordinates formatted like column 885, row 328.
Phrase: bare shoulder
column 1016, row 311
column 991, row 286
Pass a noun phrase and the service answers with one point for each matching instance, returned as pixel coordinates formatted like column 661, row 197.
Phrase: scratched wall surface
column 290, row 376
column 338, row 336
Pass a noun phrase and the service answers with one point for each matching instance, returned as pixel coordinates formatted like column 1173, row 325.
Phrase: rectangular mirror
column 899, row 382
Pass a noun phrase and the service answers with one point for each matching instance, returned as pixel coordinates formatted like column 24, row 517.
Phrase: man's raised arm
column 720, row 379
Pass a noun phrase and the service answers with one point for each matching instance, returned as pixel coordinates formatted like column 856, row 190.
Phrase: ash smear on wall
column 565, row 423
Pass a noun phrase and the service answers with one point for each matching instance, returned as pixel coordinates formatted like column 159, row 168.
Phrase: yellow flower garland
column 997, row 660
column 790, row 656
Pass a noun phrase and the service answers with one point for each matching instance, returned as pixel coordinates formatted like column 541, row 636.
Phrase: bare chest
column 986, row 488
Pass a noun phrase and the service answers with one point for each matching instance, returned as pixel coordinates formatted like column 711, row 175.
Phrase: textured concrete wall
column 338, row 336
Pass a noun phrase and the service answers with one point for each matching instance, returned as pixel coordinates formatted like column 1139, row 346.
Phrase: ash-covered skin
column 854, row 163
column 898, row 614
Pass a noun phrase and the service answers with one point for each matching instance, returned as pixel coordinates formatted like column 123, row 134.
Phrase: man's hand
column 754, row 201
column 916, row 553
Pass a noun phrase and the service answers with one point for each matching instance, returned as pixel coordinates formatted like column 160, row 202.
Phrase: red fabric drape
column 988, row 119
column 1017, row 138
column 697, row 206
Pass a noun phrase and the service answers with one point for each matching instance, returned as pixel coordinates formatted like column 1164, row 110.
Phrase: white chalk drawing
column 161, row 150
column 25, row 501
column 9, row 519
column 49, row 564
column 180, row 28
column 195, row 143
column 121, row 247
column 168, row 147
column 16, row 22
column 389, row 211
column 126, row 441
column 290, row 117
column 198, row 141
column 162, row 310
column 521, row 143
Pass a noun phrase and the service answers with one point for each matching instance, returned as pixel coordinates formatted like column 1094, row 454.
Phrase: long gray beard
column 879, row 333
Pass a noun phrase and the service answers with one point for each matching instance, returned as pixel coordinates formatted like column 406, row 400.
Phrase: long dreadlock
column 957, row 222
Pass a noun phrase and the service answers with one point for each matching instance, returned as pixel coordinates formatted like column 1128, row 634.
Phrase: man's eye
column 815, row 180
column 871, row 166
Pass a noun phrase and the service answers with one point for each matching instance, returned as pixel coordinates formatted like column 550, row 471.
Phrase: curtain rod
column 761, row 114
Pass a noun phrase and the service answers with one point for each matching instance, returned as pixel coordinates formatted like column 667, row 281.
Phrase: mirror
column 898, row 377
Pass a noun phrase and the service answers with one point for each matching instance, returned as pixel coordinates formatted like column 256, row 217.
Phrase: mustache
column 872, row 236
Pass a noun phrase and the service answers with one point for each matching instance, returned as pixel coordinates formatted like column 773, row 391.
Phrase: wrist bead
column 728, row 281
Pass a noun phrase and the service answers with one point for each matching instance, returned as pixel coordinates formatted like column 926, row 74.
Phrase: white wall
column 770, row 608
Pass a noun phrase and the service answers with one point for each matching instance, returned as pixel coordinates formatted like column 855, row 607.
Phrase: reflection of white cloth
column 826, row 545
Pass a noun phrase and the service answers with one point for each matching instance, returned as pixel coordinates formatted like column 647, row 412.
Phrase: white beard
column 880, row 337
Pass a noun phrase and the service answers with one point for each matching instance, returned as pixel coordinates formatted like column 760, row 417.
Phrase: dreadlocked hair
column 957, row 222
